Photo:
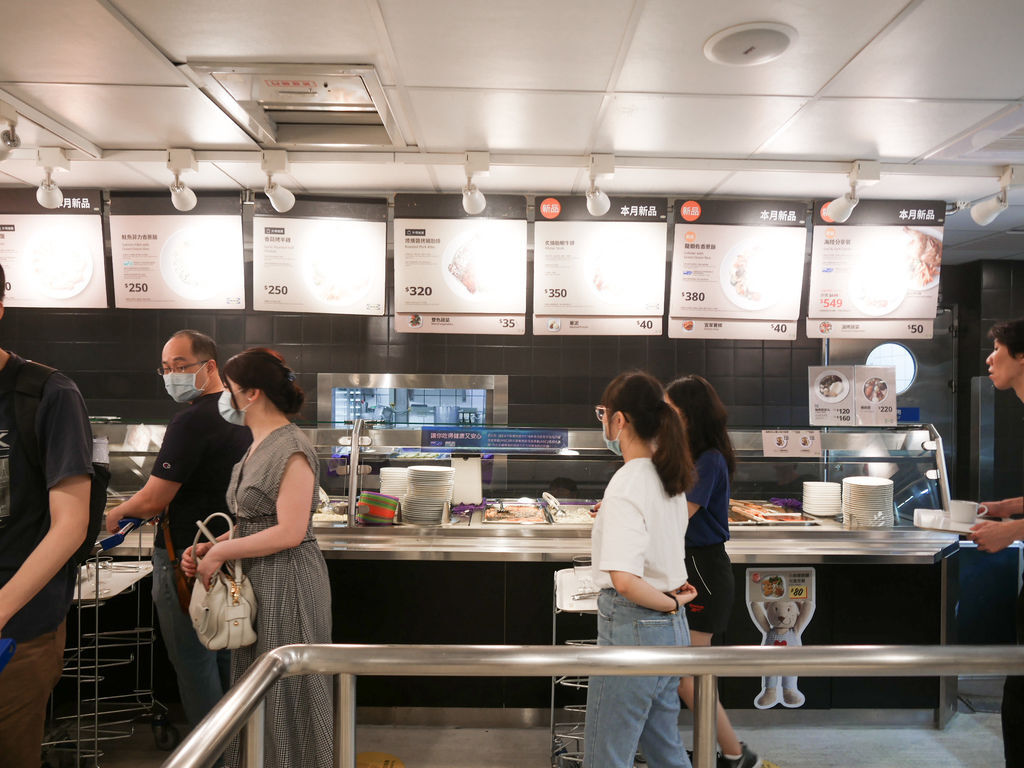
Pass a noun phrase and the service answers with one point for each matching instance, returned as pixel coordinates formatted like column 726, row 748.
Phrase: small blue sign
column 494, row 439
column 909, row 415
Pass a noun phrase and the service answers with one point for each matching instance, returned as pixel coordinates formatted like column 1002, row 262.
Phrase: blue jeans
column 203, row 675
column 624, row 712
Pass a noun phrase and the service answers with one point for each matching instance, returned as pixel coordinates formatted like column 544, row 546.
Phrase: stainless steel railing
column 243, row 707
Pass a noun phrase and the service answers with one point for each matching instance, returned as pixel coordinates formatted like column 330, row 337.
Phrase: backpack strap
column 28, row 392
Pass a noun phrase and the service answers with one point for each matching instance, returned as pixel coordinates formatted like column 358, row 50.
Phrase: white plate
column 192, row 264
column 748, row 274
column 833, row 378
column 60, row 265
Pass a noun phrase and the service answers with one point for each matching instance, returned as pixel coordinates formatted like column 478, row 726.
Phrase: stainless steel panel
column 983, row 433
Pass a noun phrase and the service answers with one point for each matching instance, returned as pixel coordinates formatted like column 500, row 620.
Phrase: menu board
column 599, row 275
column 739, row 264
column 460, row 274
column 324, row 255
column 877, row 274
column 875, row 395
column 164, row 259
column 52, row 258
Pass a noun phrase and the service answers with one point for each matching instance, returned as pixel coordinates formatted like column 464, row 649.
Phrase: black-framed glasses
column 164, row 370
column 600, row 411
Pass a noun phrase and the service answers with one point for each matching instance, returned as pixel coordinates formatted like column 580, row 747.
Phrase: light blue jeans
column 624, row 712
column 203, row 675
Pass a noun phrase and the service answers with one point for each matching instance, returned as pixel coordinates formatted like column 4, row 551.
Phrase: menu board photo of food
column 831, row 396
column 883, row 263
column 875, row 395
column 319, row 265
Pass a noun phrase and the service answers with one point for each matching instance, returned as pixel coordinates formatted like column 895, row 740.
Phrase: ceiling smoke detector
column 748, row 45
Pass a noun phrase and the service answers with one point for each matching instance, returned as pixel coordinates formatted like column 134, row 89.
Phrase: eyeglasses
column 600, row 411
column 163, row 370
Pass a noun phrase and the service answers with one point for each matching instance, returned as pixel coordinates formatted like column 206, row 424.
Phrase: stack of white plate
column 867, row 502
column 823, row 499
column 430, row 488
column 394, row 481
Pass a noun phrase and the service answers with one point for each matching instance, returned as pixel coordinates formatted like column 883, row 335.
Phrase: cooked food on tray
column 518, row 513
column 924, row 257
column 749, row 511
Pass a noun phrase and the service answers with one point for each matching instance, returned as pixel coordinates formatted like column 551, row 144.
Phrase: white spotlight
column 49, row 195
column 866, row 172
column 281, row 198
column 839, row 210
column 473, row 200
column 179, row 161
column 477, row 164
column 985, row 212
column 8, row 136
column 598, row 203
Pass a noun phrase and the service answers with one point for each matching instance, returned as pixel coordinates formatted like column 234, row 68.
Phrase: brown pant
column 25, row 686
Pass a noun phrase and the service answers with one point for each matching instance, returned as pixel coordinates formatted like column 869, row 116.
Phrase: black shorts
column 710, row 571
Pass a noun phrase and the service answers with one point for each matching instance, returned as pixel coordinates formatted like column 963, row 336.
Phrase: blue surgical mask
column 227, row 409
column 613, row 445
column 182, row 386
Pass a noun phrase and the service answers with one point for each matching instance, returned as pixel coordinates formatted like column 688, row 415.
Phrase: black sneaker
column 748, row 759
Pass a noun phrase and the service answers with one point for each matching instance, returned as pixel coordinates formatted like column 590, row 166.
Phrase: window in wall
column 900, row 358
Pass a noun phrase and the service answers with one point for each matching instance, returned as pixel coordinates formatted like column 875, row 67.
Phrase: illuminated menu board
column 737, row 269
column 324, row 255
column 52, row 258
column 599, row 275
column 456, row 273
column 876, row 275
column 164, row 259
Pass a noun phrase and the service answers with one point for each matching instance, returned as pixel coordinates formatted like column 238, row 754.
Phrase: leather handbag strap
column 165, row 526
column 236, row 565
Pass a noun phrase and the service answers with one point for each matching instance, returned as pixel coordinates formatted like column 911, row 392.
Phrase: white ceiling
column 921, row 86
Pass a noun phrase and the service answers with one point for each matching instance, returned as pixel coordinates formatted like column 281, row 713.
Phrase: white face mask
column 227, row 409
column 182, row 386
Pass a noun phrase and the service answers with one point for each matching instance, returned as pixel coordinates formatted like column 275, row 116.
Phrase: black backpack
column 28, row 392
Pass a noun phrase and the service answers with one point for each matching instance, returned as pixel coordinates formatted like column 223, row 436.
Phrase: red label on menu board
column 690, row 210
column 550, row 208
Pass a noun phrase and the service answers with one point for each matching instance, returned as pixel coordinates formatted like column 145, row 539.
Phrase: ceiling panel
column 454, row 121
column 341, row 178
column 943, row 49
column 668, row 50
column 74, row 41
column 771, row 184
column 883, row 129
column 298, row 31
column 670, row 183
column 920, row 187
column 509, row 179
column 137, row 117
column 102, row 174
column 567, row 45
column 693, row 126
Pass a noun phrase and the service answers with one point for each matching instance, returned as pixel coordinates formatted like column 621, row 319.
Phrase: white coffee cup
column 965, row 511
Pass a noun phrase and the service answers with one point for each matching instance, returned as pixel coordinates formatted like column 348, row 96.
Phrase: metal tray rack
column 570, row 597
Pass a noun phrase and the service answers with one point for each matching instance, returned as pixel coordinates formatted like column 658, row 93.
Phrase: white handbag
column 224, row 616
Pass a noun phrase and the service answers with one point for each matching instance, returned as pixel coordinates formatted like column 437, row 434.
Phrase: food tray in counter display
column 763, row 513
column 573, row 513
column 515, row 512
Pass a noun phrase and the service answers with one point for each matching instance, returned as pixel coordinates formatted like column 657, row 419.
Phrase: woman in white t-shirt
column 638, row 566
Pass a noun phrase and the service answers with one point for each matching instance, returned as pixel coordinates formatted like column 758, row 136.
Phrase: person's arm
column 633, row 588
column 293, row 503
column 149, row 501
column 994, row 535
column 69, row 520
column 692, row 507
column 1005, row 508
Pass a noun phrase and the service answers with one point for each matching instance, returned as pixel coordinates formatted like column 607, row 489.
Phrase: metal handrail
column 243, row 707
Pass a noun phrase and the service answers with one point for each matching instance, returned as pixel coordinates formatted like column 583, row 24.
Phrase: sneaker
column 748, row 759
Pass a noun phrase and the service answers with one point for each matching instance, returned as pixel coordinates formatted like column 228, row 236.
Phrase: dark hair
column 641, row 400
column 704, row 417
column 264, row 369
column 202, row 345
column 1010, row 334
column 3, row 283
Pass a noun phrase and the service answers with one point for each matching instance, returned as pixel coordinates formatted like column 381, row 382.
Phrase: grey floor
column 973, row 738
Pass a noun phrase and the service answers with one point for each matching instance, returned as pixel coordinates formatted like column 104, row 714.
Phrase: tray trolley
column 108, row 670
column 574, row 593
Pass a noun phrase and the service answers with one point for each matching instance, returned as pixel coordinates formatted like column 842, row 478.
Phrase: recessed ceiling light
column 748, row 45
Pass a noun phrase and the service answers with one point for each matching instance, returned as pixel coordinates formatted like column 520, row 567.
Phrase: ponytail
column 640, row 397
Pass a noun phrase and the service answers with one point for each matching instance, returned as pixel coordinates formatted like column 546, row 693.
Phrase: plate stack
column 394, row 481
column 430, row 488
column 867, row 502
column 823, row 499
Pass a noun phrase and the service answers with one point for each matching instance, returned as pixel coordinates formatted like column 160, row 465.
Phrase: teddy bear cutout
column 782, row 622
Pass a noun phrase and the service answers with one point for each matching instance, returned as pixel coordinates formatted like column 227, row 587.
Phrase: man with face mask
column 189, row 479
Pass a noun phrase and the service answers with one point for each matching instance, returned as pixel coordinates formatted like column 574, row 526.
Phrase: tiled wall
column 113, row 355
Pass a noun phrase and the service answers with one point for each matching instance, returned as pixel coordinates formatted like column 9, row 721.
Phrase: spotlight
column 598, row 203
column 8, row 136
column 179, row 161
column 49, row 195
column 985, row 211
column 477, row 164
column 861, row 172
column 276, row 161
column 839, row 210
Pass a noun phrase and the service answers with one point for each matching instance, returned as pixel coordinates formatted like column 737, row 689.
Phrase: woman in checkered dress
column 272, row 494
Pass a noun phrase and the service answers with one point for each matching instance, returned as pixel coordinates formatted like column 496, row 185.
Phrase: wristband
column 674, row 610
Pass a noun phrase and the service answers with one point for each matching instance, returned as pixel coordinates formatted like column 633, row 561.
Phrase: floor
column 973, row 738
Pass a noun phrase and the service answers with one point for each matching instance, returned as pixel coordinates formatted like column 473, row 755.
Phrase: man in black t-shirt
column 190, row 479
column 45, row 508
